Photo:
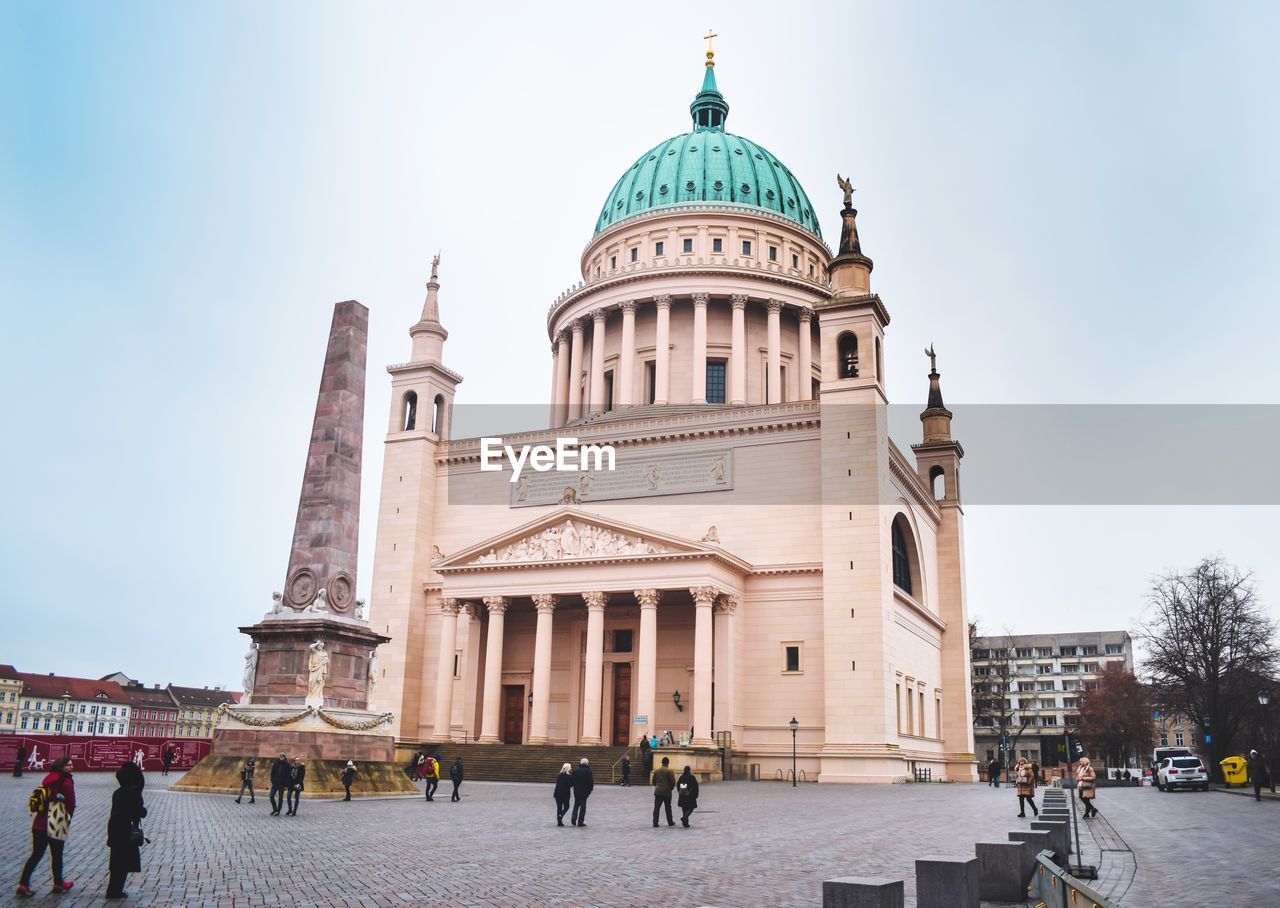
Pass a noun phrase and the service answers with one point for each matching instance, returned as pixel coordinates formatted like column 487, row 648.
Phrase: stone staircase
column 521, row 762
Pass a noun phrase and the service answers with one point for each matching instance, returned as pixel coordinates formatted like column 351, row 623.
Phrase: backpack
column 38, row 802
column 429, row 768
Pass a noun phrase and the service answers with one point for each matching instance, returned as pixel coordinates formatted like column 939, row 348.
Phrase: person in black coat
column 296, row 777
column 626, row 770
column 127, row 811
column 348, row 776
column 583, row 783
column 646, row 757
column 281, row 772
column 19, row 760
column 455, row 776
column 564, row 788
column 687, row 786
column 166, row 760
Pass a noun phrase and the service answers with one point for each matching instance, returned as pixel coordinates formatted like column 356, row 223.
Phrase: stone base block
column 1000, row 871
column 946, row 882
column 1059, row 834
column 862, row 892
column 217, row 774
column 308, row 744
column 1035, row 841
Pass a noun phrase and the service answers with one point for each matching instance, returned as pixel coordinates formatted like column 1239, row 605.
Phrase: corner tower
column 422, row 394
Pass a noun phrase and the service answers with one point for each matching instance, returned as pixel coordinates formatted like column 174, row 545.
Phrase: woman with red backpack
column 53, row 804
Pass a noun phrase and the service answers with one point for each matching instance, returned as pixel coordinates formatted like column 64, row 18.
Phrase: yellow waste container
column 1234, row 771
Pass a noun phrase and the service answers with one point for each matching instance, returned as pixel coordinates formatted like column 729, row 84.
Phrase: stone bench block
column 862, row 892
column 1059, row 834
column 946, row 882
column 1000, row 877
column 1036, row 841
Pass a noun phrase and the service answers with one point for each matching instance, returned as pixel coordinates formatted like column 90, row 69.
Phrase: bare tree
column 1207, row 640
column 1115, row 717
column 995, row 698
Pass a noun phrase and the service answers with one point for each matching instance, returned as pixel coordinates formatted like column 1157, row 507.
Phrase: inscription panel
column 635, row 476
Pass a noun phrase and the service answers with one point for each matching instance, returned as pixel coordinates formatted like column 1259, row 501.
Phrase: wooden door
column 512, row 714
column 621, row 704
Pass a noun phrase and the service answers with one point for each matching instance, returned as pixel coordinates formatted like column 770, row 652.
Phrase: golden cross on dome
column 711, row 54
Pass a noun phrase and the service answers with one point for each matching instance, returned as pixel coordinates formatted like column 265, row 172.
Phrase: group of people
column 426, row 767
column 578, row 783
column 288, row 779
column 1026, row 776
column 53, row 805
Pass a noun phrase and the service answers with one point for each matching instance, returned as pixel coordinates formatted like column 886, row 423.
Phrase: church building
column 761, row 551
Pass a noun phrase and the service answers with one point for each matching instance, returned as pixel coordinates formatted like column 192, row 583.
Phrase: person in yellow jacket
column 431, row 772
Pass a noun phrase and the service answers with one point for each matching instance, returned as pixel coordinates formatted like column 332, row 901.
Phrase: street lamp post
column 794, row 726
column 66, row 702
column 1264, row 700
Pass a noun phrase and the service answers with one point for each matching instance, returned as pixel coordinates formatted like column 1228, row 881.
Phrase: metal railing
column 779, row 777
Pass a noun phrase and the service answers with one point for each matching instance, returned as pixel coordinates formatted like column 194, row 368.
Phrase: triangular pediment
column 570, row 535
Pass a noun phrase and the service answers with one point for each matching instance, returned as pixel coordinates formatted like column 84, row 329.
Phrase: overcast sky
column 1075, row 202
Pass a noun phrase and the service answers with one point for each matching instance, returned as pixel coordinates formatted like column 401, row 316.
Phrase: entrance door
column 621, row 704
column 512, row 714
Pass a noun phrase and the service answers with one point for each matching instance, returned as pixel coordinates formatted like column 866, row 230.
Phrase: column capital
column 474, row 610
column 598, row 314
column 555, row 349
column 627, row 306
column 450, row 606
column 739, row 300
column 496, row 605
column 577, row 326
column 726, row 604
column 774, row 305
column 596, row 601
column 662, row 301
column 805, row 314
column 701, row 299
column 648, row 598
column 562, row 337
column 703, row 594
column 544, row 603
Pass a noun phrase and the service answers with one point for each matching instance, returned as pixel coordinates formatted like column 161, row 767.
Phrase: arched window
column 899, row 539
column 437, row 414
column 847, row 350
column 410, row 411
column 879, row 364
column 938, row 483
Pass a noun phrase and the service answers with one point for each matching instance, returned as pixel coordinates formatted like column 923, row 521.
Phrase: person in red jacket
column 51, row 833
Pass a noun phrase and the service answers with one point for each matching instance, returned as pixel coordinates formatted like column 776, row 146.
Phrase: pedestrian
column 419, row 762
column 124, row 837
column 53, row 803
column 664, row 781
column 994, row 768
column 626, row 770
column 19, row 759
column 1035, row 772
column 431, row 772
column 1086, row 781
column 166, row 760
column 297, row 778
column 281, row 772
column 348, row 776
column 646, row 757
column 1026, row 783
column 687, row 799
column 246, row 779
column 455, row 776
column 564, row 788
column 1257, row 773
column 583, row 783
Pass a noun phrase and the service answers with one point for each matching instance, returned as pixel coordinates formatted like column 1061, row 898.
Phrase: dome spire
column 428, row 334
column 709, row 108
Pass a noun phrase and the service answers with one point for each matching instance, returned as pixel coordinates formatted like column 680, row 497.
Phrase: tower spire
column 709, row 108
column 936, row 417
column 428, row 334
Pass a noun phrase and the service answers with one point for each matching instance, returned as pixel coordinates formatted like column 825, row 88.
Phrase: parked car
column 1182, row 772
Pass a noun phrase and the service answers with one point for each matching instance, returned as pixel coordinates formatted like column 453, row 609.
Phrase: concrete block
column 1059, row 834
column 1034, row 842
column 946, row 882
column 1000, row 877
column 862, row 892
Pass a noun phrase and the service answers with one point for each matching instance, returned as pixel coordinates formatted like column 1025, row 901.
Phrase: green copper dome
column 708, row 166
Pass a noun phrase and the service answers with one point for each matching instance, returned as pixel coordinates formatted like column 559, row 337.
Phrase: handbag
column 136, row 837
column 59, row 822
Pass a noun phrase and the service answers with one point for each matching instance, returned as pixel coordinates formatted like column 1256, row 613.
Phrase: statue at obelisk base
column 310, row 673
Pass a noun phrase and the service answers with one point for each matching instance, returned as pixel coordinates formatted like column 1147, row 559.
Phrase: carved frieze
column 571, row 539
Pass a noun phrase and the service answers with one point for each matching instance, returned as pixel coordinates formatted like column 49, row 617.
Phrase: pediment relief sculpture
column 569, row 540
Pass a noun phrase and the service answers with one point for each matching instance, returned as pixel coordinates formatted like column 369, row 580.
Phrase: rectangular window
column 1044, row 652
column 717, row 245
column 746, row 247
column 1164, row 740
column 795, row 261
column 897, row 704
column 24, row 721
column 1070, row 668
column 687, row 245
column 773, row 253
column 659, row 248
column 1047, row 703
column 811, row 270
column 1070, row 685
column 1044, row 669
column 1000, row 654
column 920, row 717
column 608, row 390
column 1024, row 652
column 1044, row 685
column 1028, row 720
column 1115, row 649
column 910, row 715
column 623, row 640
column 1090, row 651
column 792, row 655
column 1070, row 703
column 650, row 381
column 613, row 261
column 715, row 381
column 1048, row 720
column 457, row 665
column 47, row 723
column 1026, row 685
column 1177, row 738
column 635, row 253
column 1089, row 667
column 982, row 654
column 981, row 671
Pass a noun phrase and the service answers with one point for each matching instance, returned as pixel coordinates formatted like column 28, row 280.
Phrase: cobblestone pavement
column 753, row 844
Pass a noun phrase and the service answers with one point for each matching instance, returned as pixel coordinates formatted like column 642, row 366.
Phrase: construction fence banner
column 94, row 753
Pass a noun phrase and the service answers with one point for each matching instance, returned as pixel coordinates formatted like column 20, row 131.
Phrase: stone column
column 598, row 403
column 575, row 371
column 538, row 722
column 594, row 681
column 775, row 351
column 703, row 597
column 662, row 363
column 449, row 609
column 624, row 383
column 699, row 392
column 497, row 606
column 738, row 354
column 647, row 657
column 561, row 412
column 725, row 616
column 805, row 365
